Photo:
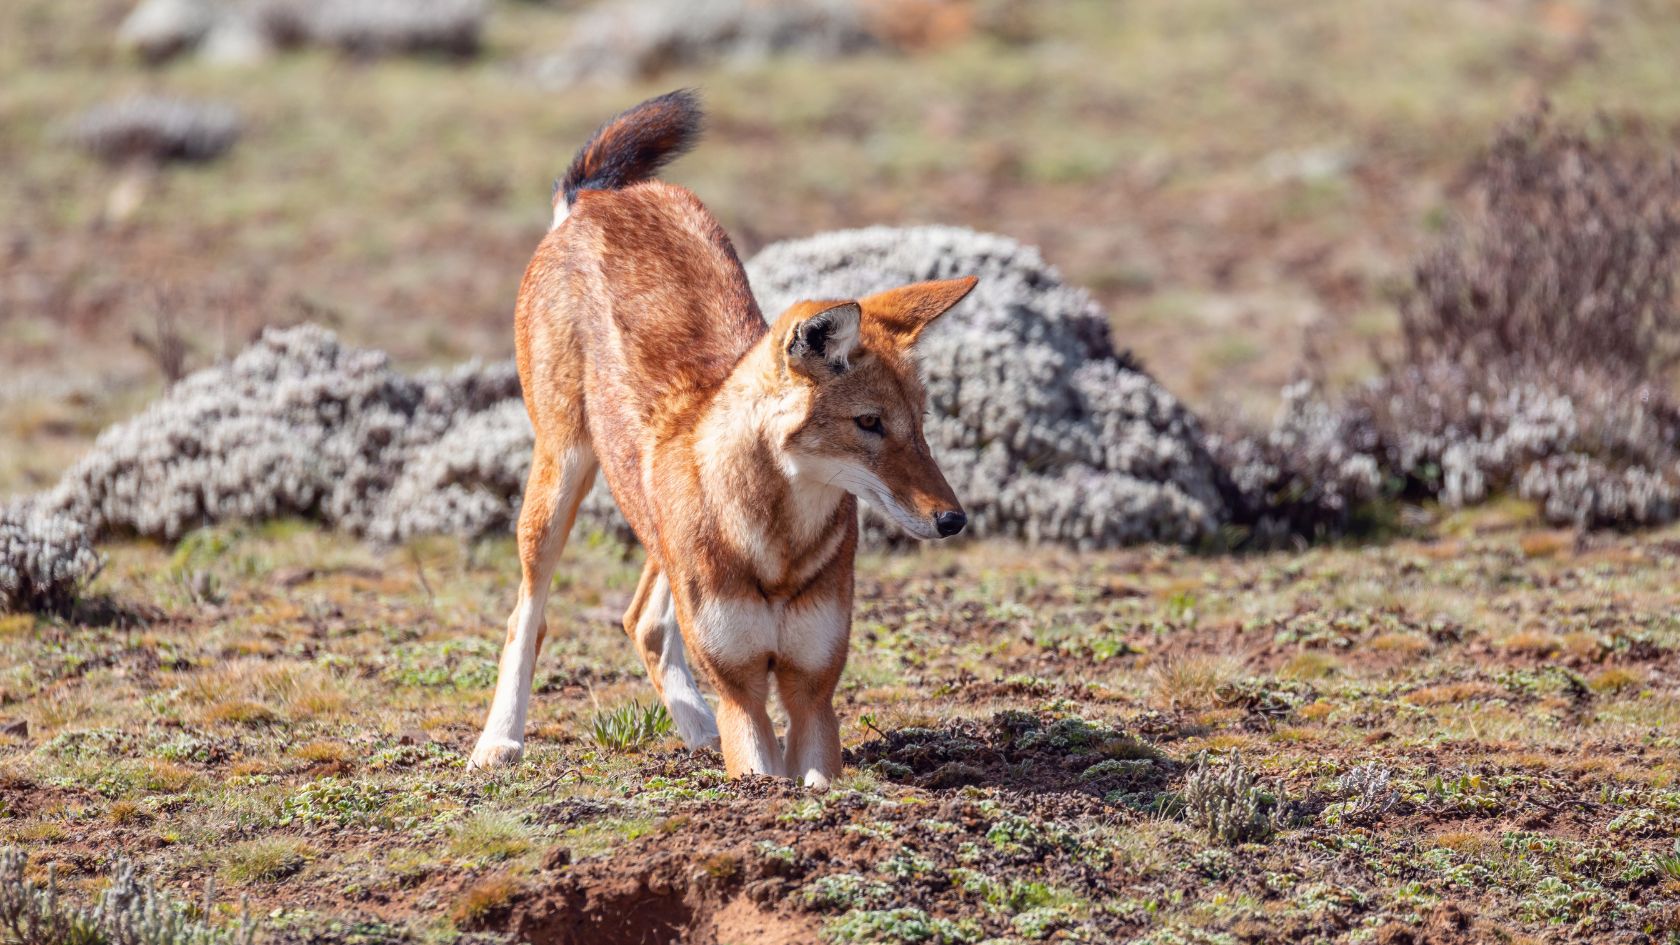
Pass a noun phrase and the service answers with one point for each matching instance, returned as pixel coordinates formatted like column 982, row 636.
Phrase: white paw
column 493, row 753
column 696, row 724
column 816, row 780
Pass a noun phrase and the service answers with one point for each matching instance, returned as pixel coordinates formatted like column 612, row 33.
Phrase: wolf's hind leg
column 651, row 623
column 556, row 487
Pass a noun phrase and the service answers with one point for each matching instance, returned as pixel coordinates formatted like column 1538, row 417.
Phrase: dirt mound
column 772, row 862
column 678, row 892
column 1018, row 751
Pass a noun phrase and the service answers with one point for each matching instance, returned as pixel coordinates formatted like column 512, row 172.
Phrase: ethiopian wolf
column 735, row 448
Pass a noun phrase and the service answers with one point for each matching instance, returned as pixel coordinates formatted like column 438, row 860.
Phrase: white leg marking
column 736, row 632
column 503, row 739
column 742, row 633
column 813, row 633
column 689, row 711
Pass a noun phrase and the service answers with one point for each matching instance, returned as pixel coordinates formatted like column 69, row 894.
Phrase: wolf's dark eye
column 869, row 422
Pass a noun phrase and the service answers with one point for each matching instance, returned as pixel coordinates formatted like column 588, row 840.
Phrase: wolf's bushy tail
column 632, row 146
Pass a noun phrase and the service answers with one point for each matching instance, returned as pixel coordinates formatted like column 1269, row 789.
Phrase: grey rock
column 160, row 29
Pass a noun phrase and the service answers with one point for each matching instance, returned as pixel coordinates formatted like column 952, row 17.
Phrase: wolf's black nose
column 949, row 523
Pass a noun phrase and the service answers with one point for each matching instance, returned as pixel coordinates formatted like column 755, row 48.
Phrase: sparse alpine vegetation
column 1229, row 803
column 1538, row 347
column 129, row 912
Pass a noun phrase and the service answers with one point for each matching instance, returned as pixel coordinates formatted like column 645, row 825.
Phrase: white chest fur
column 809, row 634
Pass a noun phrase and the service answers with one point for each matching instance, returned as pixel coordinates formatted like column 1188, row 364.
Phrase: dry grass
column 1547, row 544
column 1451, row 694
column 1192, row 682
column 265, row 860
column 1531, row 643
column 484, row 899
column 1401, row 644
column 1617, row 679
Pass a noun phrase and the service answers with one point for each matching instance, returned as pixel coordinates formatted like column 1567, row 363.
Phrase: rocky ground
column 1464, row 735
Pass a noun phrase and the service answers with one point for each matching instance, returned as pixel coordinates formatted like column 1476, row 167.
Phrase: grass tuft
column 484, row 899
column 266, row 860
column 490, row 837
column 629, row 727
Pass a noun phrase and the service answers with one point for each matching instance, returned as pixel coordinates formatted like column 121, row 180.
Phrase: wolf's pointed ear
column 905, row 311
column 820, row 345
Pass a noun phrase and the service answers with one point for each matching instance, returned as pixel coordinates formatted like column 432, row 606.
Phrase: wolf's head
column 864, row 400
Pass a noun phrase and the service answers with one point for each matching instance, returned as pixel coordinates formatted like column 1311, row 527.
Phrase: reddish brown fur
column 640, row 346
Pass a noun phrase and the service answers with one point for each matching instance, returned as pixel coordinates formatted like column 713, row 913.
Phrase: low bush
column 1229, row 804
column 130, row 912
column 1563, row 255
column 1538, row 347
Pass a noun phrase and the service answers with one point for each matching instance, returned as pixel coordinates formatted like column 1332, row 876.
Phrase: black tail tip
column 636, row 143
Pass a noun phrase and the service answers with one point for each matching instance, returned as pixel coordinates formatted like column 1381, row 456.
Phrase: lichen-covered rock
column 626, row 40
column 45, row 559
column 1044, row 431
column 1588, row 450
column 295, row 425
column 157, row 130
column 384, row 27
column 157, row 30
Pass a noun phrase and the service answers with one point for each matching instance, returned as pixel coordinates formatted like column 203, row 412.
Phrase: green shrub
column 629, row 726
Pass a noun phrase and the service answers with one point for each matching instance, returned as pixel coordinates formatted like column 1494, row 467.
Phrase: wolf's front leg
column 813, row 737
column 749, row 739
column 735, row 641
column 503, row 741
column 814, row 636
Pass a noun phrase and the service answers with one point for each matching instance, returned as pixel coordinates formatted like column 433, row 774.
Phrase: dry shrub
column 1538, row 342
column 1564, row 255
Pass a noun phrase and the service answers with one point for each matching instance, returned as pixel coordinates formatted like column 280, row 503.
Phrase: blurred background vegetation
column 1245, row 184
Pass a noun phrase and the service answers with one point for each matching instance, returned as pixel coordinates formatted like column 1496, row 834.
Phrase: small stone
column 557, row 858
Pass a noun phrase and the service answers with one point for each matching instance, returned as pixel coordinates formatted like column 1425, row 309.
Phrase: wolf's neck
column 768, row 511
